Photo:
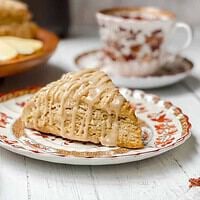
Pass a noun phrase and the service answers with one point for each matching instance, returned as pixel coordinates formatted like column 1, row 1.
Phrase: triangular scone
column 84, row 106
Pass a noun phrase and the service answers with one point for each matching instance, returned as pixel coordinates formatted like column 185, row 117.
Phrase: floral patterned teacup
column 135, row 39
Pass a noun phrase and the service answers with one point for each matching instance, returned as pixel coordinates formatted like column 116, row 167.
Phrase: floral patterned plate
column 164, row 127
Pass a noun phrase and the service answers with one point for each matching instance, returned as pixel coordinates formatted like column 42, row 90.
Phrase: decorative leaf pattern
column 165, row 128
column 4, row 119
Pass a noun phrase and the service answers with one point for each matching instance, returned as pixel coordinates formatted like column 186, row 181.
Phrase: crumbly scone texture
column 24, row 30
column 13, row 12
column 15, row 19
column 84, row 106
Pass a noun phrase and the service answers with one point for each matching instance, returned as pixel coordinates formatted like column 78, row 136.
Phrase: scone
column 15, row 19
column 84, row 106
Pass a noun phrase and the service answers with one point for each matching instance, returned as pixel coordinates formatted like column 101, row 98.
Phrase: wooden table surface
column 160, row 178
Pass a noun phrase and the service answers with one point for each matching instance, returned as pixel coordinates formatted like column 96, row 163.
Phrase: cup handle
column 188, row 30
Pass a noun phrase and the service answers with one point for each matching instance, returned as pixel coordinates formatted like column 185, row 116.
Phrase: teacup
column 135, row 38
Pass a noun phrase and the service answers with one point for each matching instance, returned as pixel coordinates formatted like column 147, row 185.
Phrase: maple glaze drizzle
column 94, row 86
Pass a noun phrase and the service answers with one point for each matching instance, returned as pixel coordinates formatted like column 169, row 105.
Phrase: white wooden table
column 160, row 178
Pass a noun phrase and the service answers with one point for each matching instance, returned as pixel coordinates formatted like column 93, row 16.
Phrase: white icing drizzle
column 86, row 87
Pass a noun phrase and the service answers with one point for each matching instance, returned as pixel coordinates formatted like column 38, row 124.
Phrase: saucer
column 168, row 74
column 164, row 127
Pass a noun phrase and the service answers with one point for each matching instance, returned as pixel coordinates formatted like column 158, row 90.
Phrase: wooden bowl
column 26, row 62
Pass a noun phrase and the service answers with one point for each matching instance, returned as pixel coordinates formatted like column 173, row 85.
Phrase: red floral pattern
column 4, row 139
column 165, row 128
column 4, row 119
column 21, row 104
column 141, row 108
column 159, row 117
column 194, row 182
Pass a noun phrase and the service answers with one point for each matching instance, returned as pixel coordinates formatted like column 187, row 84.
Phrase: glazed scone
column 24, row 30
column 15, row 19
column 84, row 106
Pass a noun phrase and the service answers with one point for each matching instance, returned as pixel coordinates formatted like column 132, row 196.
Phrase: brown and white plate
column 26, row 62
column 168, row 74
column 164, row 127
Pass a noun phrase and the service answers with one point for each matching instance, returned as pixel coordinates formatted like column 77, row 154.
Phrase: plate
column 26, row 62
column 164, row 127
column 168, row 74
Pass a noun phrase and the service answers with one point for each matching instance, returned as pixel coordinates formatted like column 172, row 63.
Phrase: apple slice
column 22, row 46
column 7, row 52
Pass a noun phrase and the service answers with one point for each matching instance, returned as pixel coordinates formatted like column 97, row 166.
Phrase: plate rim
column 44, row 156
